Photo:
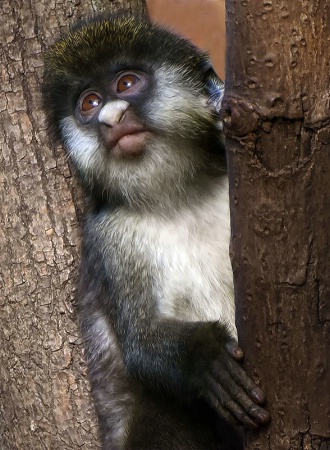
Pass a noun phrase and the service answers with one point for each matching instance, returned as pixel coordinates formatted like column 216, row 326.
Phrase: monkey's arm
column 185, row 358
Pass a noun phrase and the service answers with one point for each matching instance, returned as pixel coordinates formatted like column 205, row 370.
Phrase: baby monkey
column 137, row 109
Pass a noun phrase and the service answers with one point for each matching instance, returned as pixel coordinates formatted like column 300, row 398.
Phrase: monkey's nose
column 113, row 112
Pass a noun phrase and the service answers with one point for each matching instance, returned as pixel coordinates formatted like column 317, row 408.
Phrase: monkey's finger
column 255, row 412
column 247, row 394
column 234, row 350
column 241, row 378
column 227, row 407
column 235, row 388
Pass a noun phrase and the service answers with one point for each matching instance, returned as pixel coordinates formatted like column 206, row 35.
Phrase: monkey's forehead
column 119, row 41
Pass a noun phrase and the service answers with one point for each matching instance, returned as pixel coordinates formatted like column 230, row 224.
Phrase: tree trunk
column 44, row 394
column 277, row 121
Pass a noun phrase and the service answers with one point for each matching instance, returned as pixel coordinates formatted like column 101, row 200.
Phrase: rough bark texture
column 44, row 394
column 277, row 118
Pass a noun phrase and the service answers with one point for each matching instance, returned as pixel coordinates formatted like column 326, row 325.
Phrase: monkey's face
column 121, row 131
column 134, row 124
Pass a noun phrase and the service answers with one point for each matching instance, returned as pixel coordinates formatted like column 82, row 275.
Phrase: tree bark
column 277, row 121
column 44, row 393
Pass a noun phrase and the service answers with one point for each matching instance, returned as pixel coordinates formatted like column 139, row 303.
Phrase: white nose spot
column 112, row 112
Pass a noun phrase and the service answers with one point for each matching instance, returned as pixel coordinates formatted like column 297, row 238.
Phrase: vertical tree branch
column 277, row 122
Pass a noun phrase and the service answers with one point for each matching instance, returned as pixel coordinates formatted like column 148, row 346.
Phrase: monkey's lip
column 130, row 142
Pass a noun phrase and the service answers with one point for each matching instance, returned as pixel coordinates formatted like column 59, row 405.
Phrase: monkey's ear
column 214, row 88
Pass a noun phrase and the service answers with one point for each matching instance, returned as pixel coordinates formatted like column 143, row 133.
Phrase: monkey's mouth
column 131, row 144
column 124, row 140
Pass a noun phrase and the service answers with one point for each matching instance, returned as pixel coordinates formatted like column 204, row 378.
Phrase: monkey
column 138, row 109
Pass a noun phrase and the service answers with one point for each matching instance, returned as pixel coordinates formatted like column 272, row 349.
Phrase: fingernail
column 259, row 395
column 264, row 416
column 238, row 352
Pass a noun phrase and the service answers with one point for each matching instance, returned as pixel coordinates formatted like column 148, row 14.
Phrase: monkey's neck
column 167, row 202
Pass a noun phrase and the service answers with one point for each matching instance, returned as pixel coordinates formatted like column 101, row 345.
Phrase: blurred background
column 202, row 21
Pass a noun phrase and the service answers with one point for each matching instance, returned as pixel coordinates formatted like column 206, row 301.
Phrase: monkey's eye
column 129, row 82
column 89, row 102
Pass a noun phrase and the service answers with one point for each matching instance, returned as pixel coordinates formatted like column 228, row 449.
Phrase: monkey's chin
column 131, row 144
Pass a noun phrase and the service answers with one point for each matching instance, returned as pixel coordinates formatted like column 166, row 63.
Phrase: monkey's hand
column 216, row 373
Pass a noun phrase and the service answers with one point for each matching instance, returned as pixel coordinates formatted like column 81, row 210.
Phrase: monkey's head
column 136, row 107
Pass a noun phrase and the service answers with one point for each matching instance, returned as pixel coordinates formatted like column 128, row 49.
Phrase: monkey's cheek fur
column 131, row 144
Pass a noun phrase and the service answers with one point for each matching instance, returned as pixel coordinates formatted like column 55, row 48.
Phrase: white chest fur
column 188, row 256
